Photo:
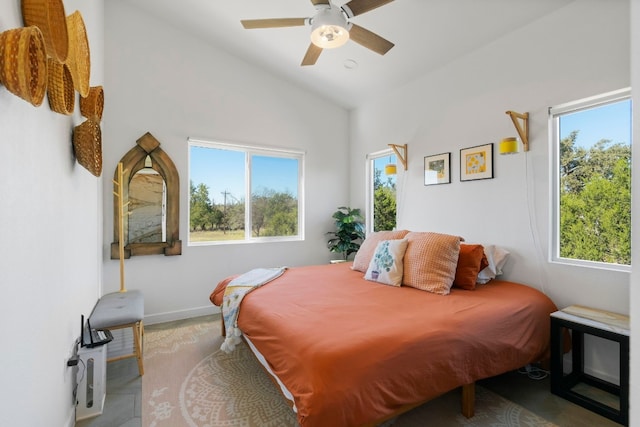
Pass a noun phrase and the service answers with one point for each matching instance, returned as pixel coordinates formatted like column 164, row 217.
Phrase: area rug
column 188, row 381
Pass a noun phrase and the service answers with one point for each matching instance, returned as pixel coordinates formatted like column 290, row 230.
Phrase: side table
column 582, row 320
column 92, row 382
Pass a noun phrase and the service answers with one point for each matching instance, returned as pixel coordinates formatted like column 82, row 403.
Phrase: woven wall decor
column 60, row 91
column 87, row 146
column 49, row 16
column 23, row 63
column 79, row 59
column 92, row 106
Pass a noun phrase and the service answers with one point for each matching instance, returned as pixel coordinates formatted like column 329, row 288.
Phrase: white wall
column 577, row 51
column 634, row 416
column 51, row 228
column 51, row 259
column 162, row 80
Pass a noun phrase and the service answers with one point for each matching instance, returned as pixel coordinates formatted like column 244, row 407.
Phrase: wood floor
column 124, row 389
column 122, row 406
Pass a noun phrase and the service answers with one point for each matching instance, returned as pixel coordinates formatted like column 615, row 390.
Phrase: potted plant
column 349, row 232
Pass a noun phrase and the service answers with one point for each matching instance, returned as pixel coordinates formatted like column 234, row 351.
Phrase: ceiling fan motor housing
column 329, row 28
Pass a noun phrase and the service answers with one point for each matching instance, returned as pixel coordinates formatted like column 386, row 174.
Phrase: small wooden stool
column 120, row 310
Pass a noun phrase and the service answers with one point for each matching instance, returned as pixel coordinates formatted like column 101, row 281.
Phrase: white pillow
column 497, row 257
column 386, row 263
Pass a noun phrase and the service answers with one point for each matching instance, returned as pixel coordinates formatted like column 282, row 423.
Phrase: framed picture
column 437, row 169
column 476, row 162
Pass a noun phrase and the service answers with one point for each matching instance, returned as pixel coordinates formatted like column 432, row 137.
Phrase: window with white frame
column 244, row 193
column 381, row 197
column 591, row 208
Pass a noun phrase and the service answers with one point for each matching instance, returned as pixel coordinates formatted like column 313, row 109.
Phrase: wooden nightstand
column 582, row 320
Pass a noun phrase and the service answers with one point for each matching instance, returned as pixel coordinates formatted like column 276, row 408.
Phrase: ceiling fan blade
column 312, row 55
column 251, row 24
column 358, row 7
column 317, row 2
column 369, row 40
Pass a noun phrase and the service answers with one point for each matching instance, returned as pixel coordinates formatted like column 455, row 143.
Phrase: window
column 591, row 207
column 381, row 205
column 241, row 193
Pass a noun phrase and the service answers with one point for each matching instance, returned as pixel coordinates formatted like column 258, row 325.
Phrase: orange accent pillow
column 365, row 253
column 430, row 261
column 471, row 261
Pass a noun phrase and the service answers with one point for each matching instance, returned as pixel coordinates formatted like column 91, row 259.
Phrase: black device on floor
column 90, row 337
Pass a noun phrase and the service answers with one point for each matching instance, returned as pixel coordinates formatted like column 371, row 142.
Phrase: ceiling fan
column 331, row 27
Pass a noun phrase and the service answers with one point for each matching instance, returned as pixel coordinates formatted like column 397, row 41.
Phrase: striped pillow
column 365, row 253
column 430, row 261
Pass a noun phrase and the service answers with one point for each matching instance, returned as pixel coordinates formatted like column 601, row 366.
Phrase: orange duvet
column 352, row 351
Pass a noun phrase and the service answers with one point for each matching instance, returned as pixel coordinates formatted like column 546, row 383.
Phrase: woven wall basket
column 92, row 106
column 49, row 16
column 79, row 59
column 60, row 91
column 87, row 145
column 23, row 63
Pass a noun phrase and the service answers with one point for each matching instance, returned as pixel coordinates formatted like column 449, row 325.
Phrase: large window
column 381, row 206
column 591, row 142
column 244, row 193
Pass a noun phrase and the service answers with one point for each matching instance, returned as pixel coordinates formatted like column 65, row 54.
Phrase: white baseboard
column 122, row 343
column 71, row 420
column 180, row 314
column 568, row 366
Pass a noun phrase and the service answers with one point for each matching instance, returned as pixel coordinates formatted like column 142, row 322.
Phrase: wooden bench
column 120, row 310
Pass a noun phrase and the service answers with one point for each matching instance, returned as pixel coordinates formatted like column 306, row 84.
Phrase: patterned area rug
column 188, row 381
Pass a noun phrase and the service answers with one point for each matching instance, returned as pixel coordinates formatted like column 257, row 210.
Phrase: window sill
column 592, row 264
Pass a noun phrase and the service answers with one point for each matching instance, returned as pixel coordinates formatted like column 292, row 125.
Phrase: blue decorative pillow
column 386, row 263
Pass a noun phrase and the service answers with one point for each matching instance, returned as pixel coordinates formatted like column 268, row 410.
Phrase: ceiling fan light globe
column 329, row 36
column 329, row 29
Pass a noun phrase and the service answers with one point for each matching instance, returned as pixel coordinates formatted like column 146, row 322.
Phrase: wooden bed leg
column 545, row 364
column 223, row 330
column 468, row 400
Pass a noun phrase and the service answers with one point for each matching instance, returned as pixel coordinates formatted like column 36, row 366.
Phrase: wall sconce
column 508, row 146
column 521, row 122
column 390, row 168
column 401, row 156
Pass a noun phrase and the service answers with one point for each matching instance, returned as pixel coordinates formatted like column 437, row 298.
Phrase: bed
column 348, row 351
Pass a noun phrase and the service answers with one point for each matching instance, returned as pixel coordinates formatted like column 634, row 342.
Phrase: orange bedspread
column 353, row 351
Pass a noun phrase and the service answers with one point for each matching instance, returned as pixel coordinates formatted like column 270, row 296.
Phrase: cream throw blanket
column 233, row 295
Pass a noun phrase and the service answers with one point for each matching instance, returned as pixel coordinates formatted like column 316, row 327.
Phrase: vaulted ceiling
column 427, row 35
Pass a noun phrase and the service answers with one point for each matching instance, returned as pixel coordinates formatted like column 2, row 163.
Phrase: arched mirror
column 147, row 206
column 150, row 192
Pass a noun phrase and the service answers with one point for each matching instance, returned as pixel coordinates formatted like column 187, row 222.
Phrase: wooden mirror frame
column 132, row 162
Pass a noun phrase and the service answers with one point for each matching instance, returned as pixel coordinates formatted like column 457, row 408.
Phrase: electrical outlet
column 73, row 358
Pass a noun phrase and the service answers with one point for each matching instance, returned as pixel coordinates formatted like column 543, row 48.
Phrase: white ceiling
column 427, row 34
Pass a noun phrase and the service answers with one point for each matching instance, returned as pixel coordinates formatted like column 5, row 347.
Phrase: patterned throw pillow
column 430, row 261
column 363, row 256
column 386, row 264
